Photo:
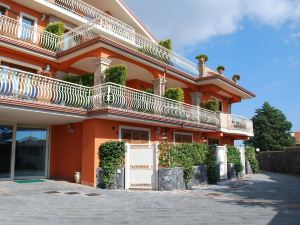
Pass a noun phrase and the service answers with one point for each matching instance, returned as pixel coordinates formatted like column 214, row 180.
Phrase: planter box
column 200, row 175
column 170, row 179
column 248, row 168
column 119, row 182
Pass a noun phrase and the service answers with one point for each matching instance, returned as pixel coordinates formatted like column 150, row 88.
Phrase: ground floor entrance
column 23, row 152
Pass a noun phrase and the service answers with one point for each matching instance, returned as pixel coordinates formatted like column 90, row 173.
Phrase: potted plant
column 236, row 78
column 202, row 58
column 221, row 69
column 77, row 177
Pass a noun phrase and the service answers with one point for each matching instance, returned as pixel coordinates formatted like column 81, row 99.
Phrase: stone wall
column 119, row 182
column 287, row 161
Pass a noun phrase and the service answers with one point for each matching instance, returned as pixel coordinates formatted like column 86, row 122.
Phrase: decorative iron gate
column 141, row 166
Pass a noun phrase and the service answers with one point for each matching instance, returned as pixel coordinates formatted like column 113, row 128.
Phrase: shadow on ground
column 281, row 192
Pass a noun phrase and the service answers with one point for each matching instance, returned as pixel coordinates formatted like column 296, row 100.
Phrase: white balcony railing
column 20, row 85
column 235, row 124
column 131, row 100
column 14, row 29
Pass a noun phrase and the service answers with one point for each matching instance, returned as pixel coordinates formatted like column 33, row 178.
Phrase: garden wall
column 287, row 161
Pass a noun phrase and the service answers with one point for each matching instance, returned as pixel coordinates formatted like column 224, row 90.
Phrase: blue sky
column 258, row 39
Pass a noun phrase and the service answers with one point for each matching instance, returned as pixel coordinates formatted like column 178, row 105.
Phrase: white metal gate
column 141, row 166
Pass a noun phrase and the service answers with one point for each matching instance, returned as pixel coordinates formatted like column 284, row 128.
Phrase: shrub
column 221, row 68
column 176, row 94
column 149, row 90
column 184, row 155
column 212, row 173
column 57, row 28
column 250, row 156
column 116, row 74
column 234, row 156
column 212, row 105
column 167, row 44
column 205, row 57
column 112, row 156
column 236, row 77
column 85, row 80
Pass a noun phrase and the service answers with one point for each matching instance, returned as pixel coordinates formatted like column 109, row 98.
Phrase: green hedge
column 112, row 156
column 234, row 156
column 57, row 28
column 176, row 94
column 250, row 156
column 187, row 155
column 116, row 74
column 212, row 105
column 85, row 80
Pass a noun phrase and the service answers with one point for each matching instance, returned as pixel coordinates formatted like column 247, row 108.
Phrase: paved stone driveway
column 258, row 199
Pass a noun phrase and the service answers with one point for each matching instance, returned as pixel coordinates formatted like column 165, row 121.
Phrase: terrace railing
column 234, row 123
column 14, row 29
column 123, row 98
column 24, row 86
column 29, row 87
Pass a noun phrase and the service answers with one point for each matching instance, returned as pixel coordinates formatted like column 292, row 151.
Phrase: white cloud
column 192, row 21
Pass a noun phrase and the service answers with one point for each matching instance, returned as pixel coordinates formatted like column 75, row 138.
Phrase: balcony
column 13, row 29
column 32, row 88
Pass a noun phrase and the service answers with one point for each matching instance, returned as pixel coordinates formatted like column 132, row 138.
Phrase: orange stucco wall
column 66, row 151
column 16, row 9
column 138, row 84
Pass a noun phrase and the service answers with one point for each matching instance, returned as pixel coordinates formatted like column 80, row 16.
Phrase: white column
column 196, row 98
column 101, row 65
column 159, row 86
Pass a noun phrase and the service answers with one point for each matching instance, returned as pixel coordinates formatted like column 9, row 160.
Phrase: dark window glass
column 183, row 138
column 135, row 136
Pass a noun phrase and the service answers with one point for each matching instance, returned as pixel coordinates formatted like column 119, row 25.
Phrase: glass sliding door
column 6, row 141
column 31, row 152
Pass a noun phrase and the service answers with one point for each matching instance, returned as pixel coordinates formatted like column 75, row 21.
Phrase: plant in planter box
column 234, row 156
column 212, row 105
column 57, row 28
column 116, row 74
column 221, row 69
column 236, row 78
column 167, row 44
column 202, row 58
column 149, row 90
column 176, row 94
column 250, row 157
column 112, row 157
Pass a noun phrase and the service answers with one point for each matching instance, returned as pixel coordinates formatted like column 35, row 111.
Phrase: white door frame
column 35, row 26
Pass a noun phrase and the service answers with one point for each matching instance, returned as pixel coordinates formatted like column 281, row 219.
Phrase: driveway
column 258, row 199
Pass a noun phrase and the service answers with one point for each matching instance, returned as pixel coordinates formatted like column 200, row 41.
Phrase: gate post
column 156, row 161
column 243, row 159
column 127, row 166
column 221, row 153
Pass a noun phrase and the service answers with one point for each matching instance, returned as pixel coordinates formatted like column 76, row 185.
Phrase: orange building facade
column 50, row 128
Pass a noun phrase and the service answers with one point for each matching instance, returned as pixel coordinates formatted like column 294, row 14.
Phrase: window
column 213, row 141
column 133, row 136
column 2, row 10
column 183, row 138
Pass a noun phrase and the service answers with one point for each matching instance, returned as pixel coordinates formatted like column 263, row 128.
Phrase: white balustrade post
column 127, row 166
column 101, row 65
column 221, row 160
column 243, row 159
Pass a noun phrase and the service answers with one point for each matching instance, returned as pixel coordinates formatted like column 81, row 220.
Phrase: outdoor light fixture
column 70, row 129
column 257, row 150
column 44, row 17
column 48, row 68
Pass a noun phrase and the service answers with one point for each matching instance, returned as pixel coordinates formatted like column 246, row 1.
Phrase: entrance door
column 31, row 152
column 6, row 142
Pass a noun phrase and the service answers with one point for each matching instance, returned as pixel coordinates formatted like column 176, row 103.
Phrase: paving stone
column 258, row 199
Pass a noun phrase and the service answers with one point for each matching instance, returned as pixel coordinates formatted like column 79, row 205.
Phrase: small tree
column 176, row 94
column 57, row 28
column 116, row 74
column 272, row 130
column 167, row 44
